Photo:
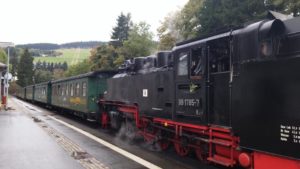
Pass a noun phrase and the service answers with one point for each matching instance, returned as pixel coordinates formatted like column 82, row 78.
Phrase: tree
column 217, row 14
column 3, row 56
column 168, row 33
column 186, row 21
column 25, row 69
column 58, row 74
column 65, row 66
column 38, row 65
column 59, row 66
column 51, row 66
column 42, row 76
column 13, row 87
column 139, row 43
column 201, row 17
column 13, row 60
column 79, row 68
column 54, row 66
column 102, row 57
column 44, row 65
column 119, row 61
column 289, row 7
column 121, row 31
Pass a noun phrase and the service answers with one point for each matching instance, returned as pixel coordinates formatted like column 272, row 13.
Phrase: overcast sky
column 60, row 21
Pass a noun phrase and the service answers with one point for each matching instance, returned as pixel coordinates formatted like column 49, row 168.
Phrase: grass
column 71, row 56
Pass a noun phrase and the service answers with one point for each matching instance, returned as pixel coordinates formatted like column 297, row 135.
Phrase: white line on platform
column 111, row 146
column 28, row 106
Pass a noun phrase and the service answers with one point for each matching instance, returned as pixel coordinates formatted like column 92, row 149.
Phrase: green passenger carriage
column 42, row 93
column 79, row 94
column 21, row 92
column 29, row 93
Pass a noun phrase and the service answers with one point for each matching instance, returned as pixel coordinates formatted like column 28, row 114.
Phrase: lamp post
column 7, row 75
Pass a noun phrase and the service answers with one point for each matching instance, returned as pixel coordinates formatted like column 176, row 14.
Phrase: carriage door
column 190, row 84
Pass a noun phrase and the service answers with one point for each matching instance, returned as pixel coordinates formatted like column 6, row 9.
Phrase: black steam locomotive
column 233, row 97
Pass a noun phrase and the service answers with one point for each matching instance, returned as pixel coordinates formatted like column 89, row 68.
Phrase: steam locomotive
column 232, row 97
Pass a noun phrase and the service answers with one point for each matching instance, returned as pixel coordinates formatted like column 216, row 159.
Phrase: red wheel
column 148, row 139
column 163, row 144
column 104, row 120
column 200, row 151
column 149, row 136
column 181, row 149
column 199, row 154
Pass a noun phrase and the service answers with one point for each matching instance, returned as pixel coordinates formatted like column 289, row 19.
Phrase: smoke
column 128, row 134
column 152, row 146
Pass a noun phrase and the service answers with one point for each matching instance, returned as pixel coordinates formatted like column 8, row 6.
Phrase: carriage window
column 62, row 90
column 196, row 63
column 182, row 68
column 72, row 90
column 67, row 89
column 54, row 90
column 58, row 90
column 77, row 89
column 84, row 89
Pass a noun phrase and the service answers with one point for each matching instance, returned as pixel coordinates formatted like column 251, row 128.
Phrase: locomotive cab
column 190, row 84
column 202, row 75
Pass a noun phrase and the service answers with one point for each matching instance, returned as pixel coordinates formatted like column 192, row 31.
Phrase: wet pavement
column 36, row 138
column 24, row 145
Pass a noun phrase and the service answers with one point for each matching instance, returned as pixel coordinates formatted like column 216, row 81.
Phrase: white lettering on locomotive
column 189, row 102
column 289, row 133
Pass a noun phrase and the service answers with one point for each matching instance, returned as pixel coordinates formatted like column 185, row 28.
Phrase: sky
column 61, row 21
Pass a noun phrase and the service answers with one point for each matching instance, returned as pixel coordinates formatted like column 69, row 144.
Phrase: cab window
column 182, row 69
column 196, row 65
column 219, row 56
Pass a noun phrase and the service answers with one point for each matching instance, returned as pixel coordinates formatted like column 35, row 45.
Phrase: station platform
column 33, row 137
column 24, row 145
column 30, row 139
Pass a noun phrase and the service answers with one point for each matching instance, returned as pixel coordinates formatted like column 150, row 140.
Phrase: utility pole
column 7, row 80
column 7, row 75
